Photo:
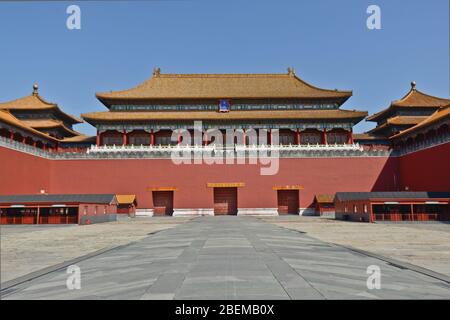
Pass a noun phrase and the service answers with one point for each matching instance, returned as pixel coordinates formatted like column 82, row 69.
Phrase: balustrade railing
column 217, row 148
column 164, row 151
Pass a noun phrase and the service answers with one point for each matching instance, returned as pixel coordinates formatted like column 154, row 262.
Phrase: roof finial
column 156, row 71
column 413, row 85
column 35, row 89
column 291, row 71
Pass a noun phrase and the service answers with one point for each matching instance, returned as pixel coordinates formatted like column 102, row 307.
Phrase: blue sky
column 327, row 42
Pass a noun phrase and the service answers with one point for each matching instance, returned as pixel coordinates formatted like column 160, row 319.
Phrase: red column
column 34, row 143
column 245, row 137
column 152, row 138
column 24, row 140
column 205, row 139
column 179, row 136
column 270, row 136
column 324, row 136
column 350, row 136
column 98, row 138
column 298, row 137
column 125, row 142
column 11, row 135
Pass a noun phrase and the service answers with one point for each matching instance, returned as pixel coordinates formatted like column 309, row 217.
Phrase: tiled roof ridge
column 148, row 84
column 36, row 98
column 401, row 101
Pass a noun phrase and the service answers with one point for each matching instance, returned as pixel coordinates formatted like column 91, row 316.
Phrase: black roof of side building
column 59, row 198
column 345, row 196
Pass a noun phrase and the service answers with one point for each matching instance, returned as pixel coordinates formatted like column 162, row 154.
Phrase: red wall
column 137, row 176
column 27, row 174
column 426, row 170
column 21, row 173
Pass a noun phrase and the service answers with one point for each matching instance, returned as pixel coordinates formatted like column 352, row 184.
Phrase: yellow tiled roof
column 216, row 86
column 405, row 120
column 36, row 102
column 42, row 123
column 399, row 121
column 325, row 198
column 49, row 124
column 413, row 99
column 125, row 198
column 442, row 113
column 7, row 117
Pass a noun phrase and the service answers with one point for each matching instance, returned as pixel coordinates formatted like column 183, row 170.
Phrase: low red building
column 58, row 208
column 324, row 204
column 126, row 204
column 392, row 206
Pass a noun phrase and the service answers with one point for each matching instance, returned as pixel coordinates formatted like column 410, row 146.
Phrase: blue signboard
column 224, row 105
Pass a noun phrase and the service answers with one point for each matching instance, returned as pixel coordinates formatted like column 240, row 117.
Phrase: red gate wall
column 426, row 170
column 24, row 173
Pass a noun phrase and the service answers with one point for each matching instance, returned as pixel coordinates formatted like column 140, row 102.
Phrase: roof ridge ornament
column 291, row 71
column 35, row 89
column 156, row 71
column 413, row 85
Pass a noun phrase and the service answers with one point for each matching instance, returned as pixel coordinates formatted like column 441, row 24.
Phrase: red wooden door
column 225, row 201
column 288, row 202
column 162, row 203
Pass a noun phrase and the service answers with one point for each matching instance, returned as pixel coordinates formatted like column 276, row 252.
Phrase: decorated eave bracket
column 209, row 125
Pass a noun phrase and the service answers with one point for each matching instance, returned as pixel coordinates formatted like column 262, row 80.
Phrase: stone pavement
column 25, row 249
column 231, row 258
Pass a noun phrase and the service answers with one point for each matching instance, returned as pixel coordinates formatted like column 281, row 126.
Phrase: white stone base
column 257, row 212
column 144, row 212
column 307, row 212
column 193, row 212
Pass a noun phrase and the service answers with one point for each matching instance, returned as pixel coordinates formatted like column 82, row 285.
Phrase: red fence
column 18, row 219
column 407, row 217
column 62, row 219
column 66, row 219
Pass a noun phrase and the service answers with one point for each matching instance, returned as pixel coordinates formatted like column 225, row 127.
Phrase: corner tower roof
column 413, row 99
column 36, row 102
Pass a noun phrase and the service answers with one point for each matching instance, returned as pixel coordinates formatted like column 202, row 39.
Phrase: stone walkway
column 231, row 258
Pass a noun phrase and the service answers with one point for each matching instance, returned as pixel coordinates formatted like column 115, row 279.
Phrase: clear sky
column 326, row 41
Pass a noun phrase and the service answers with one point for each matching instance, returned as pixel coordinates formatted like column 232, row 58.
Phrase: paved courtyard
column 425, row 245
column 231, row 258
column 28, row 248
